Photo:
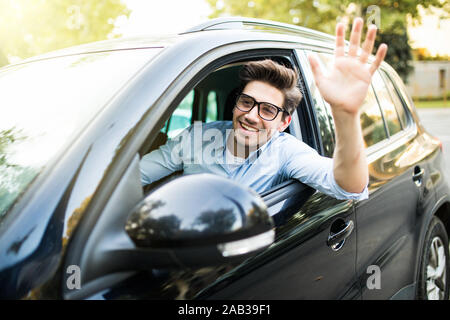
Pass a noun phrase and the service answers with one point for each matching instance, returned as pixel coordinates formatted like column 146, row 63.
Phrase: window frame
column 388, row 132
column 385, row 78
column 380, row 149
column 303, row 125
column 405, row 101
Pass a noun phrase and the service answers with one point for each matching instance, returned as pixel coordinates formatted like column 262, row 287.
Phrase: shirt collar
column 255, row 154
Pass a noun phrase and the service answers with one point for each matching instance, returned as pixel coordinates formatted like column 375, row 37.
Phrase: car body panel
column 69, row 198
column 387, row 227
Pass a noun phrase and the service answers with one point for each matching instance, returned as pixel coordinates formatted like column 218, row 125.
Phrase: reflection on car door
column 300, row 264
column 388, row 220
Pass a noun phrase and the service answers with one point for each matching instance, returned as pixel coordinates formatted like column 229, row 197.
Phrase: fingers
column 355, row 36
column 340, row 40
column 368, row 43
column 381, row 53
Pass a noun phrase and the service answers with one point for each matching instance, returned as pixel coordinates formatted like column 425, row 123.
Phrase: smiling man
column 253, row 150
column 255, row 122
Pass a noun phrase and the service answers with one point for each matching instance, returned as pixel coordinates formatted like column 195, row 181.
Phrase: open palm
column 345, row 86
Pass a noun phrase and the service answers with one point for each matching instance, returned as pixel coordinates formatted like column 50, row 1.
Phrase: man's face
column 252, row 131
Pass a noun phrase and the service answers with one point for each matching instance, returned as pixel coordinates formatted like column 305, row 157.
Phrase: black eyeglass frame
column 259, row 108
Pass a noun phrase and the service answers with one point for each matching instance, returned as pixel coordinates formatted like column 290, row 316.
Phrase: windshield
column 44, row 104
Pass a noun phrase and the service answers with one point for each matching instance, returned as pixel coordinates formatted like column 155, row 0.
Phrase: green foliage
column 322, row 15
column 31, row 27
column 400, row 53
column 13, row 178
column 7, row 138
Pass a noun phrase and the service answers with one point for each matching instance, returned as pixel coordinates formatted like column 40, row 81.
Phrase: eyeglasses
column 266, row 111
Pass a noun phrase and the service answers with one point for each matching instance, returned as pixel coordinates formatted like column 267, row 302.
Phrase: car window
column 211, row 107
column 396, row 99
column 403, row 93
column 386, row 104
column 181, row 117
column 323, row 111
column 45, row 104
column 183, row 114
column 372, row 123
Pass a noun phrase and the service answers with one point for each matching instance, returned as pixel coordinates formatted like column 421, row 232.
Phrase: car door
column 387, row 221
column 313, row 256
column 399, row 190
column 302, row 263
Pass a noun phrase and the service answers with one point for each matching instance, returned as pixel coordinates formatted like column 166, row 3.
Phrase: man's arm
column 314, row 170
column 165, row 160
column 345, row 88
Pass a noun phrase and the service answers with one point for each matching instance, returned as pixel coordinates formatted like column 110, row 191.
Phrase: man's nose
column 252, row 115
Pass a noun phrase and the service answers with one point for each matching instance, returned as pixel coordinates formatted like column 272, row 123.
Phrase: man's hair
column 277, row 75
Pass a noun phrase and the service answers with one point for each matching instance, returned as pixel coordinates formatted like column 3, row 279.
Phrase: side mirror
column 201, row 220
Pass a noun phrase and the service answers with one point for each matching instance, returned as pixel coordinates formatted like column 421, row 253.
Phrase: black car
column 76, row 223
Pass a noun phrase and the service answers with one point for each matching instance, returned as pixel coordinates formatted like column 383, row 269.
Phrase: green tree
column 389, row 15
column 13, row 178
column 31, row 27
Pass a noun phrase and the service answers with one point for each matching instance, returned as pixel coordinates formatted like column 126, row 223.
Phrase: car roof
column 228, row 28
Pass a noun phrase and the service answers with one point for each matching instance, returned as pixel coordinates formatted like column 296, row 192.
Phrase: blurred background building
column 429, row 79
column 430, row 40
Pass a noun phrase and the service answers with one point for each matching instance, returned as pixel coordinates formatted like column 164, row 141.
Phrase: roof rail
column 243, row 22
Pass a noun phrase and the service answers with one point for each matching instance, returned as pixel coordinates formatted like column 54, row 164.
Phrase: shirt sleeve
column 304, row 164
column 165, row 160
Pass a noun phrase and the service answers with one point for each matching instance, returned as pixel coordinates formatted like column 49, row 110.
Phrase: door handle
column 336, row 239
column 418, row 175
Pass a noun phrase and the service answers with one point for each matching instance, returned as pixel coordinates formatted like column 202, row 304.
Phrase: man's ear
column 285, row 123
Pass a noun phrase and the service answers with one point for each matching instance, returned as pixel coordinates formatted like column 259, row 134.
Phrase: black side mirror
column 202, row 220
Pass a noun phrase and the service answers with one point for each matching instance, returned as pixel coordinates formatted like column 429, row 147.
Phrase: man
column 257, row 152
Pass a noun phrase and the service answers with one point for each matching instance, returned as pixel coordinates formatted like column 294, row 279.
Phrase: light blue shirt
column 201, row 148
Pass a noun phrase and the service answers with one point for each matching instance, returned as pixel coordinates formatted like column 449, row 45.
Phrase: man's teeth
column 248, row 128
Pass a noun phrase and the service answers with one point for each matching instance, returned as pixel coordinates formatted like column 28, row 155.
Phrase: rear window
column 387, row 104
column 397, row 101
column 372, row 123
column 45, row 104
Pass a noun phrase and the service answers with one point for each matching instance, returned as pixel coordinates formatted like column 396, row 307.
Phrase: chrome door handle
column 418, row 175
column 337, row 239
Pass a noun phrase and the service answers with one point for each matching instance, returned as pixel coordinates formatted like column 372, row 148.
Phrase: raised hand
column 345, row 86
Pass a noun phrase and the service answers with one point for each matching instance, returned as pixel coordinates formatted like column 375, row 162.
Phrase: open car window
column 181, row 118
column 212, row 99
